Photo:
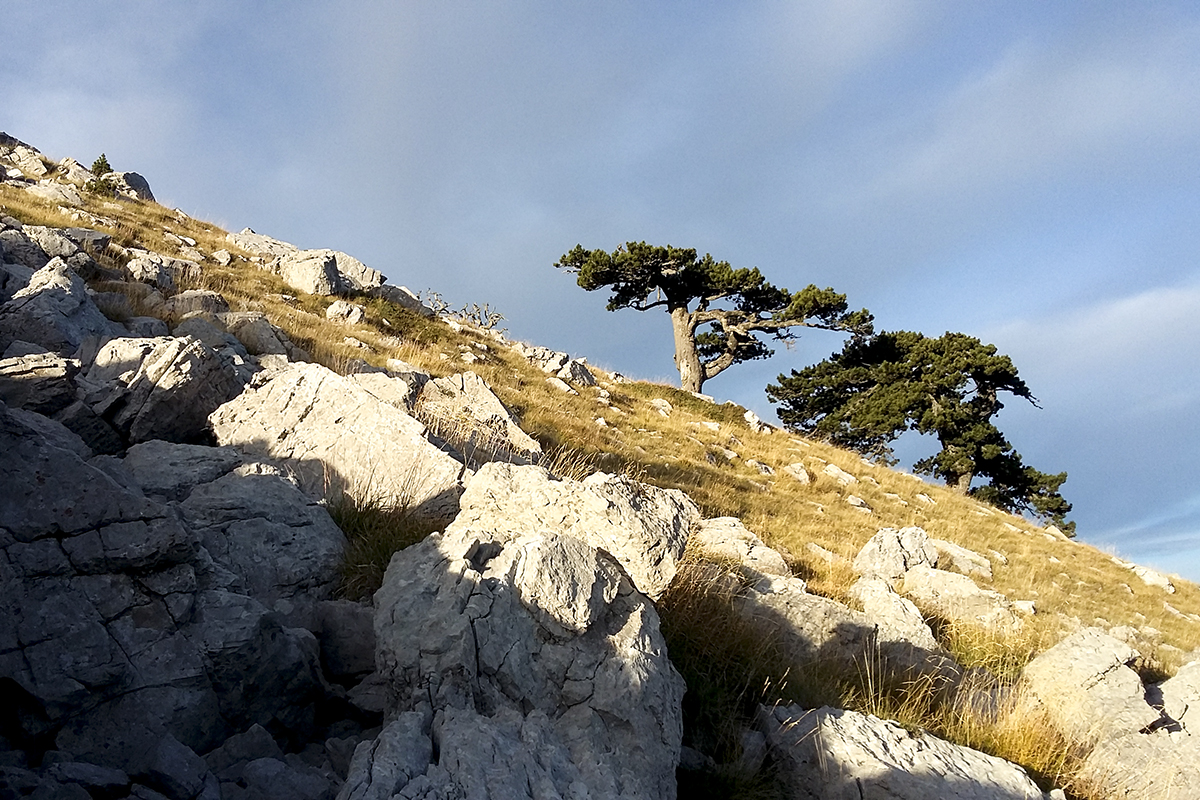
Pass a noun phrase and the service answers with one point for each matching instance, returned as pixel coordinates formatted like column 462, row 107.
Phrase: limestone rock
column 281, row 545
column 259, row 336
column 462, row 409
column 345, row 313
column 54, row 311
column 840, row 475
column 663, row 407
column 643, row 527
column 401, row 296
column 335, row 435
column 799, row 472
column 159, row 388
column 956, row 597
column 194, row 300
column 1086, row 685
column 960, row 559
column 131, row 184
column 161, row 271
column 728, row 539
column 832, row 754
column 1149, row 765
column 899, row 620
column 260, row 244
column 398, row 387
column 24, row 156
column 890, row 553
column 543, row 357
column 59, row 193
column 43, row 382
column 325, row 272
column 576, row 372
column 528, row 650
column 1181, row 697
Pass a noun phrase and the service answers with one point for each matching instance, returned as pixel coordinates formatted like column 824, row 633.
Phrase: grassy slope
column 1072, row 583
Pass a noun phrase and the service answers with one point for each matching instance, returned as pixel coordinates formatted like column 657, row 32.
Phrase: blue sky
column 1025, row 172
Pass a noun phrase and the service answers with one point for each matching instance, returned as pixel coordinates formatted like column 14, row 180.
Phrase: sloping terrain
column 816, row 505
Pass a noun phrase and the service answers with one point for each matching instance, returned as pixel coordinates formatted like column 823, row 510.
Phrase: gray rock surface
column 726, row 538
column 335, row 435
column 462, row 409
column 261, row 244
column 528, row 650
column 956, row 597
column 1181, row 697
column 42, row 382
column 1086, row 684
column 132, row 185
column 159, row 388
column 831, row 754
column 325, row 272
column 54, row 311
column 960, row 559
column 403, row 297
column 890, row 553
column 162, row 271
column 643, row 527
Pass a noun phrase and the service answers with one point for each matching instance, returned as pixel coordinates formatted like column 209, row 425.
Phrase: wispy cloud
column 1041, row 112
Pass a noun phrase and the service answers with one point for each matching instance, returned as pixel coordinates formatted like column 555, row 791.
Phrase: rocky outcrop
column 956, row 597
column 529, row 651
column 727, row 539
column 464, row 411
column 643, row 527
column 832, row 754
column 122, row 639
column 890, row 553
column 336, row 436
column 325, row 272
column 161, row 388
column 1089, row 689
column 54, row 311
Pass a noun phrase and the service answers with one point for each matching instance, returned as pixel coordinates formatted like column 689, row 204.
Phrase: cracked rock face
column 833, row 754
column 333, row 433
column 527, row 650
column 120, row 640
column 643, row 527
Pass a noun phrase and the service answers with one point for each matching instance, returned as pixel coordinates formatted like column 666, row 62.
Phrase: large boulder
column 162, row 388
column 130, row 184
column 120, row 641
column 833, row 754
column 532, row 663
column 462, row 409
column 1086, row 684
column 403, row 297
column 957, row 598
column 890, row 553
column 54, row 311
column 162, row 271
column 337, row 436
column 261, row 244
column 326, row 272
column 727, row 539
column 643, row 527
column 39, row 382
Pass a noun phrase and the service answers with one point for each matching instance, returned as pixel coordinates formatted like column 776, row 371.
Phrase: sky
column 1024, row 172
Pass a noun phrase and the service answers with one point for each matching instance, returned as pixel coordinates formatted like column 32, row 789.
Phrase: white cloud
column 1153, row 332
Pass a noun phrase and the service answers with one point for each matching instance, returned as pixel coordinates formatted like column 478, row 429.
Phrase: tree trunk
column 687, row 360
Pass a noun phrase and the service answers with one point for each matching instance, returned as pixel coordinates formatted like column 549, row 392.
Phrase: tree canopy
column 878, row 387
column 731, row 305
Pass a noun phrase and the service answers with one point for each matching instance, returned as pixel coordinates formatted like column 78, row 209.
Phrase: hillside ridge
column 207, row 379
